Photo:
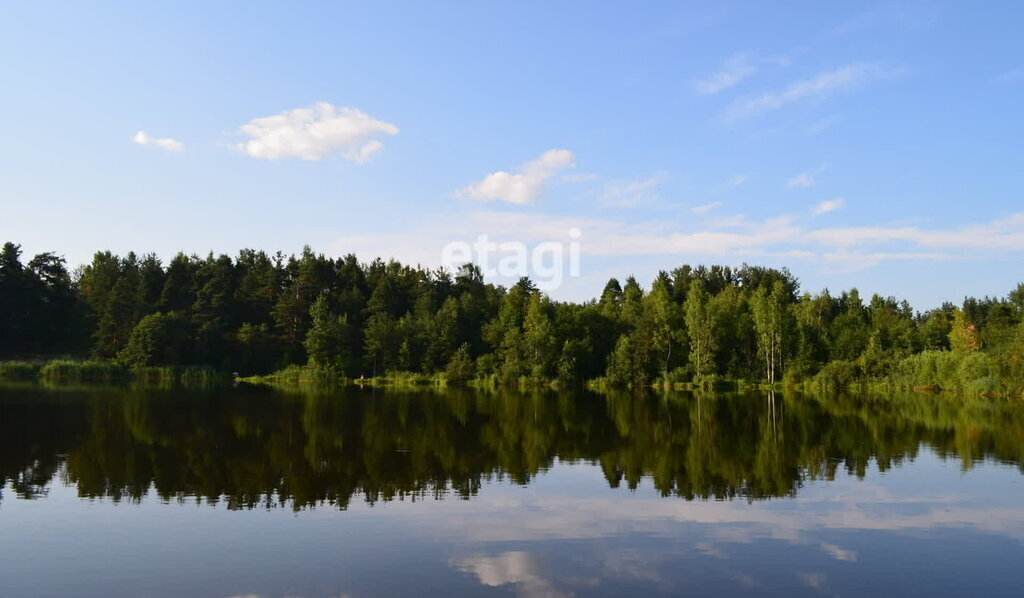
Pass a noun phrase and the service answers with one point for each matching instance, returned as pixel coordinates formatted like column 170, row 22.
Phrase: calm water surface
column 255, row 493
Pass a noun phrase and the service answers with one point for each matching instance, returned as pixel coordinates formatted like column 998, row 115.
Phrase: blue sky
column 867, row 145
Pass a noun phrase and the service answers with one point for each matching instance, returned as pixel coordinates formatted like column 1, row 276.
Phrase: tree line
column 258, row 312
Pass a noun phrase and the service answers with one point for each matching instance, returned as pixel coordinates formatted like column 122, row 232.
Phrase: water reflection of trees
column 261, row 449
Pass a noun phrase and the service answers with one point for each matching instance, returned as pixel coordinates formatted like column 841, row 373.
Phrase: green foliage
column 837, row 374
column 38, row 305
column 257, row 313
column 700, row 326
column 185, row 375
column 158, row 339
column 298, row 374
column 256, row 348
column 83, row 371
column 460, row 369
column 964, row 336
column 19, row 370
column 770, row 322
column 327, row 340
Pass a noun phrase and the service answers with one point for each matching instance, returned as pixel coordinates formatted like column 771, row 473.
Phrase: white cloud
column 823, row 85
column 731, row 238
column 733, row 71
column 581, row 177
column 737, row 180
column 173, row 145
column 1001, row 234
column 806, row 179
column 830, row 205
column 801, row 180
column 839, row 553
column 704, row 209
column 627, row 194
column 865, row 506
column 726, row 221
column 520, row 569
column 315, row 132
column 524, row 187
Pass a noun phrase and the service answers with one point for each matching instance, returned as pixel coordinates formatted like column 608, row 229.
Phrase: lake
column 251, row 492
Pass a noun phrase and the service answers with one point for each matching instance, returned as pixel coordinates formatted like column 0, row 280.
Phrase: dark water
column 249, row 492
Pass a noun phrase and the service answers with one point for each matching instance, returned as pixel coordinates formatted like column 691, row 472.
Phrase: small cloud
column 824, row 85
column 315, row 132
column 813, row 580
column 827, row 206
column 806, row 179
column 522, row 570
column 733, row 71
column 1010, row 76
column 524, row 187
column 734, row 221
column 704, row 209
column 888, row 15
column 839, row 553
column 173, row 145
column 626, row 194
column 582, row 177
column 737, row 180
column 801, row 180
column 822, row 125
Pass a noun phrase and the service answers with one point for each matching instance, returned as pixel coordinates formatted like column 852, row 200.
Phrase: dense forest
column 258, row 313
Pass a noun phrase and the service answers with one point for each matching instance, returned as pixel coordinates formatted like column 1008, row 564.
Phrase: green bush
column 975, row 366
column 18, row 370
column 837, row 374
column 460, row 369
column 157, row 339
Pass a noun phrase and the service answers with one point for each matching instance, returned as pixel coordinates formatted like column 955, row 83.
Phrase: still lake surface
column 260, row 493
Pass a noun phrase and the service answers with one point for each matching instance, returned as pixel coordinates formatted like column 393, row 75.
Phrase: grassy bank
column 974, row 374
column 296, row 374
column 19, row 370
column 68, row 371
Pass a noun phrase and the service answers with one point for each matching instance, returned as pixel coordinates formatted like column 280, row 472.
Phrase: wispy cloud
column 734, row 221
column 172, row 145
column 733, row 238
column 1005, row 234
column 737, row 180
column 1010, row 76
column 733, row 71
column 807, row 179
column 704, row 209
column 813, row 580
column 315, row 132
column 827, row 206
column 839, row 553
column 888, row 15
column 821, row 86
column 819, row 127
column 627, row 194
column 524, row 187
column 580, row 177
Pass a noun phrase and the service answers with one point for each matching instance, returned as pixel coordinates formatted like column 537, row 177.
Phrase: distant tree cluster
column 256, row 313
